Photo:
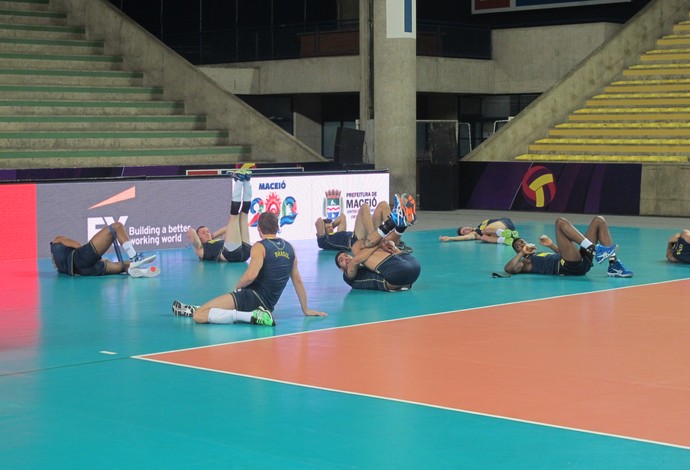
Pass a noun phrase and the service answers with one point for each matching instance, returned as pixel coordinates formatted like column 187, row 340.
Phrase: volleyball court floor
column 463, row 371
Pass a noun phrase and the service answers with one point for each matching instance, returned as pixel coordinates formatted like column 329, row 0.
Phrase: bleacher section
column 641, row 118
column 65, row 103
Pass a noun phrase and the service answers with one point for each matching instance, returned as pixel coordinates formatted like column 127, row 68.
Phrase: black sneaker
column 183, row 310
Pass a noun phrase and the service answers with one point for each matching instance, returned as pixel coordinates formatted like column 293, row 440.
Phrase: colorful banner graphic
column 579, row 188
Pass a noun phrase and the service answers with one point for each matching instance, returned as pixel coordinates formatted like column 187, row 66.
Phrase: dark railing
column 254, row 44
column 325, row 38
column 318, row 40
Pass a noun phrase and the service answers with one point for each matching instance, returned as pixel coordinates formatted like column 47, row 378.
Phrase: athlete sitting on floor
column 273, row 262
column 235, row 245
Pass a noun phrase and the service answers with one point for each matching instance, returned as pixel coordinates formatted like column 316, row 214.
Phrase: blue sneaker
column 602, row 252
column 139, row 259
column 403, row 212
column 397, row 215
column 616, row 269
column 410, row 207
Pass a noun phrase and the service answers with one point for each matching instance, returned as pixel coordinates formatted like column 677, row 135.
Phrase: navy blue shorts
column 241, row 253
column 577, row 268
column 87, row 262
column 336, row 241
column 247, row 300
column 401, row 269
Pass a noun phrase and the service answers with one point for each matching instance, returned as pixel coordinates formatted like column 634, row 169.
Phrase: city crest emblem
column 332, row 204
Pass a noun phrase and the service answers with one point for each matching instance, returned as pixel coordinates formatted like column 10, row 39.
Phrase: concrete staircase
column 642, row 117
column 64, row 103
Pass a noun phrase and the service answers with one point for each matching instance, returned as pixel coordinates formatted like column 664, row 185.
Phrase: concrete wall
column 526, row 60
column 307, row 120
column 182, row 81
column 531, row 60
column 665, row 190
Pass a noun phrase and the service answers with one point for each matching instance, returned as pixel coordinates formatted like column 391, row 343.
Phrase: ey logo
column 94, row 224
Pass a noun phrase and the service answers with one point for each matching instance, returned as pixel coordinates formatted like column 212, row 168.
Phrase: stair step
column 95, row 123
column 41, row 31
column 670, row 55
column 604, row 158
column 682, row 27
column 618, row 130
column 34, row 17
column 53, row 46
column 631, row 114
column 107, row 108
column 70, row 77
column 674, row 40
column 649, row 86
column 61, row 61
column 658, row 70
column 659, row 146
column 110, row 140
column 19, row 159
column 49, row 92
column 24, row 5
column 640, row 99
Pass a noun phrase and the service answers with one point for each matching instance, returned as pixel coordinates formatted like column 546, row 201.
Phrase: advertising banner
column 300, row 200
column 157, row 213
column 580, row 188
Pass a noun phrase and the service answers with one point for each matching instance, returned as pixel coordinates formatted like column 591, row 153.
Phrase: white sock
column 219, row 315
column 222, row 316
column 499, row 232
column 247, row 196
column 586, row 243
column 129, row 248
column 236, row 191
column 500, row 239
column 244, row 316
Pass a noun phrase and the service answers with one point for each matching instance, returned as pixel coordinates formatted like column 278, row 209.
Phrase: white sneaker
column 151, row 271
column 140, row 259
